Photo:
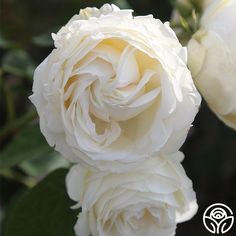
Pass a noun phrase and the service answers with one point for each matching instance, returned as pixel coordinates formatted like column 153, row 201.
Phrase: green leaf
column 29, row 143
column 123, row 4
column 41, row 166
column 43, row 210
column 7, row 44
column 185, row 10
column 43, row 40
column 18, row 62
column 3, row 42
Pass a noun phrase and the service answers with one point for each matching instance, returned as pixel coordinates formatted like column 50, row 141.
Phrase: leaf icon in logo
column 210, row 224
column 218, row 218
column 226, row 224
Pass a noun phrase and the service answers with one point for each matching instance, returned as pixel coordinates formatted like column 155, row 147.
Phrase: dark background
column 25, row 27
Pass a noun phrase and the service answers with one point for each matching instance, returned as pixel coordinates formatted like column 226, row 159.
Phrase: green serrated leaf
column 28, row 144
column 18, row 62
column 43, row 210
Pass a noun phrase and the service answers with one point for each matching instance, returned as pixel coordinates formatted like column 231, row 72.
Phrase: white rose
column 149, row 200
column 115, row 89
column 212, row 59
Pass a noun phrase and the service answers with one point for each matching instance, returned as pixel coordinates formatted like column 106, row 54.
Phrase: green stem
column 11, row 127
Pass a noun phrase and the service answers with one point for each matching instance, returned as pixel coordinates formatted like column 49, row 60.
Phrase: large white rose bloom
column 148, row 200
column 115, row 90
column 212, row 59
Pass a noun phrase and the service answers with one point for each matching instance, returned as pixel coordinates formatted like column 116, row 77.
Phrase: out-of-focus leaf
column 1, row 216
column 42, row 165
column 1, row 82
column 19, row 63
column 198, row 5
column 183, row 9
column 43, row 40
column 3, row 42
column 28, row 143
column 123, row 4
column 6, row 44
column 23, row 19
column 43, row 210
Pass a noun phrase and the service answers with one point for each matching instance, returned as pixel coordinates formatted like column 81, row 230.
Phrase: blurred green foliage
column 26, row 158
column 43, row 210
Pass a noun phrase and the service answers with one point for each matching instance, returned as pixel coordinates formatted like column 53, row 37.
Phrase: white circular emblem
column 218, row 218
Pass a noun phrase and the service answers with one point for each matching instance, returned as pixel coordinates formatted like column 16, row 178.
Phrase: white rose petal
column 115, row 89
column 212, row 59
column 148, row 200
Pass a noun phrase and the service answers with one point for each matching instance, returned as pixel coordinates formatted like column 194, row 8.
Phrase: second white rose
column 212, row 58
column 115, row 90
column 148, row 200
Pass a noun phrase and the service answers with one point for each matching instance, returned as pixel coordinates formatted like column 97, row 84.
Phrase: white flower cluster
column 116, row 98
